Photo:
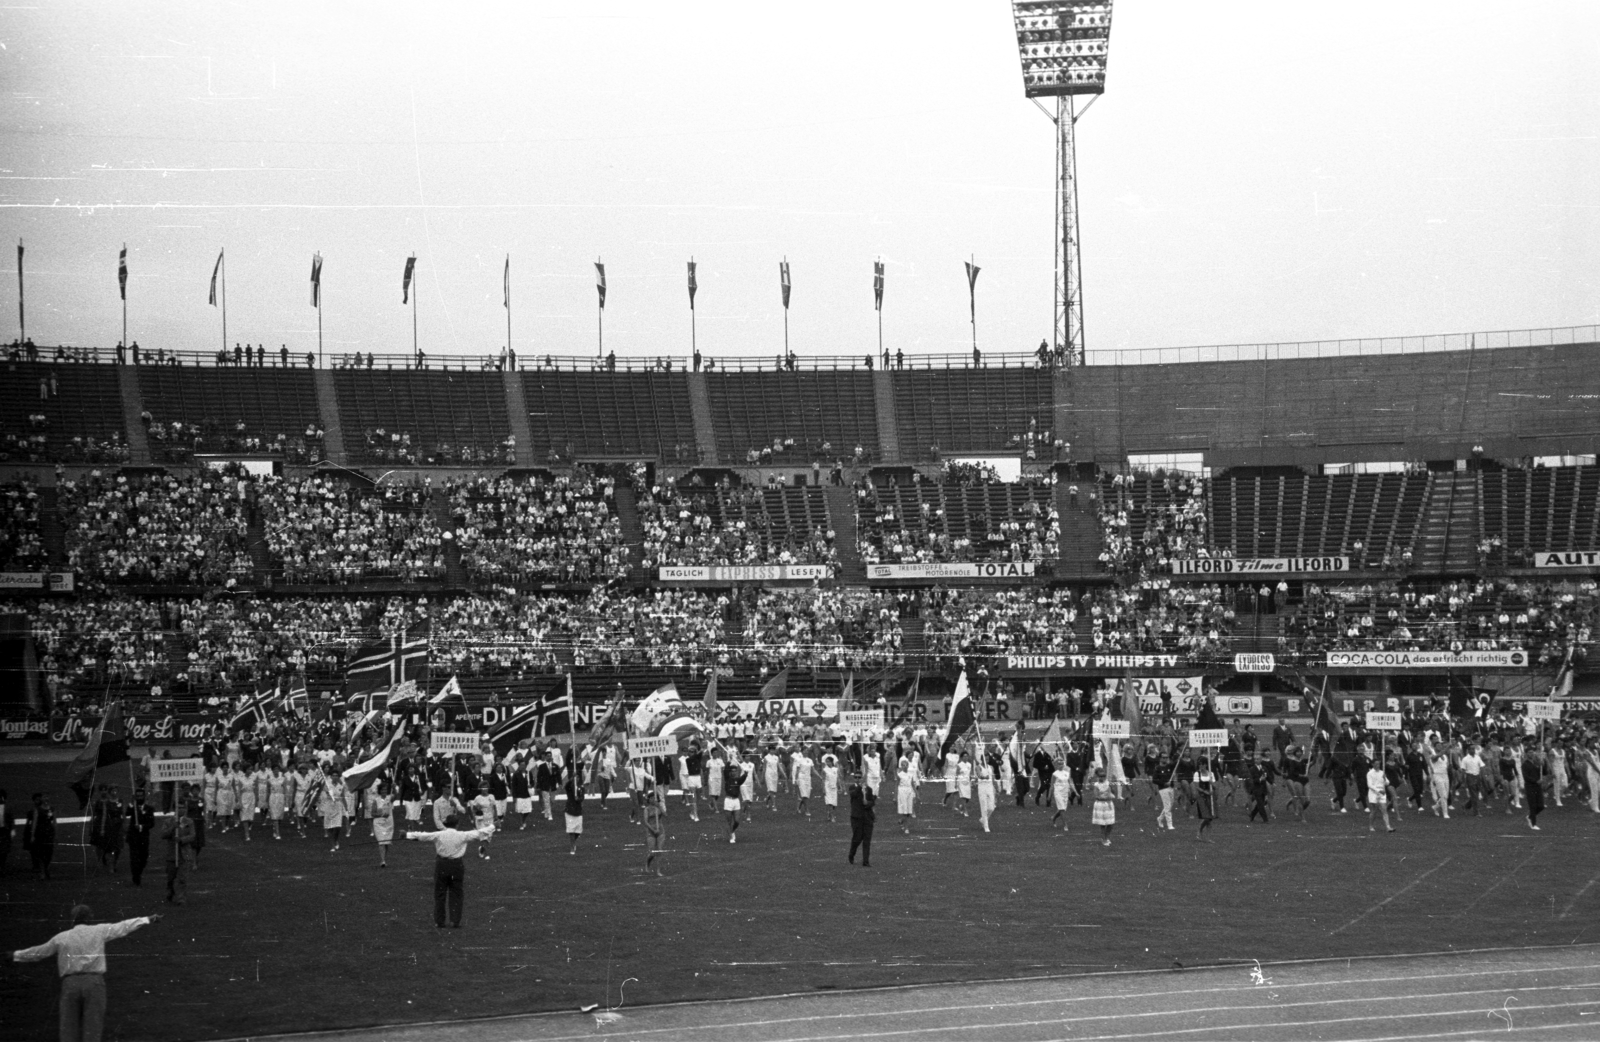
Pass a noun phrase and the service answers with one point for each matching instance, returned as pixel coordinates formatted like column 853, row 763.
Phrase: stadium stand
column 1372, row 517
column 563, row 528
column 943, row 412
column 728, row 524
column 794, row 418
column 958, row 521
column 232, row 410
column 424, row 417
column 578, row 415
column 68, row 412
column 1547, row 509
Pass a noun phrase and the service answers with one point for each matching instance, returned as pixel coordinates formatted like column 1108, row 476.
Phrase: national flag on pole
column 972, row 289
column 776, row 688
column 615, row 718
column 1051, row 739
column 360, row 776
column 1130, row 709
column 122, row 272
column 108, row 745
column 1208, row 720
column 316, row 280
column 783, row 281
column 711, row 697
column 600, row 283
column 253, row 710
column 507, row 283
column 847, row 697
column 405, row 280
column 962, row 716
column 1014, row 750
column 298, row 700
column 1325, row 720
column 451, row 689
column 693, row 285
column 216, row 269
column 413, row 658
column 908, row 705
column 877, row 285
column 371, row 668
column 529, row 721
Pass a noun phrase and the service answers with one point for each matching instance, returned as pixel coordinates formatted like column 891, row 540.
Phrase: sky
column 1255, row 172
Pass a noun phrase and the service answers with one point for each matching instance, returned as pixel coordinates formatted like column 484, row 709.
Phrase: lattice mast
column 1064, row 46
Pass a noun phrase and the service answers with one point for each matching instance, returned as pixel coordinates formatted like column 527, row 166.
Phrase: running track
column 1544, row 993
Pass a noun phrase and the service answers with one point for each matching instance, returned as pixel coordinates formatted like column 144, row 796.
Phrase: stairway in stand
column 1447, row 541
column 632, row 530
column 52, row 533
column 914, row 642
column 255, row 537
column 842, row 519
column 1081, row 541
column 328, row 411
column 455, row 573
column 133, row 413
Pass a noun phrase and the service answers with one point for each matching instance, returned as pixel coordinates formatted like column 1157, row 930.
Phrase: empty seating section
column 81, row 417
column 1367, row 516
column 940, row 412
column 816, row 416
column 1524, row 512
column 588, row 415
column 436, row 417
column 991, row 521
column 232, row 410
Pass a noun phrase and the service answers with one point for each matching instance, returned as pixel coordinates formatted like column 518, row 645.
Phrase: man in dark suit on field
column 862, row 818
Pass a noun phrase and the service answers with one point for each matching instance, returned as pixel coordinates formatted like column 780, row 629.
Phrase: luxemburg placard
column 452, row 742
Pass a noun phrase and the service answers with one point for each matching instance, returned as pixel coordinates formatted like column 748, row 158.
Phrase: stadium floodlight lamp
column 1063, row 44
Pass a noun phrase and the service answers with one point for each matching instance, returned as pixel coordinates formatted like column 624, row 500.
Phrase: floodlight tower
column 1064, row 46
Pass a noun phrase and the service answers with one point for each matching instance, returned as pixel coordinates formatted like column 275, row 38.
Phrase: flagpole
column 223, row 257
column 124, row 293
column 22, row 318
column 414, row 282
column 508, row 309
column 973, row 301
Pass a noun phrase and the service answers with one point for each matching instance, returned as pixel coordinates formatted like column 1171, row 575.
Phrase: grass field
column 283, row 936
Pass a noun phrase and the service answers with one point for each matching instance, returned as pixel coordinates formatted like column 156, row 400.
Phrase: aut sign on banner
column 1210, row 738
column 451, row 742
column 1383, row 721
column 641, row 748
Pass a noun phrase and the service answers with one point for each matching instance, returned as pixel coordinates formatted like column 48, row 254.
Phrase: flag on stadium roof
column 972, row 288
column 783, row 281
column 122, row 272
column 877, row 285
column 360, row 776
column 693, row 284
column 962, row 717
column 405, row 280
column 214, row 270
column 316, row 280
column 600, row 283
column 507, row 283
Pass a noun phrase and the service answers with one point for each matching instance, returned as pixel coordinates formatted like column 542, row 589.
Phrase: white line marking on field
column 1580, row 893
column 1391, row 897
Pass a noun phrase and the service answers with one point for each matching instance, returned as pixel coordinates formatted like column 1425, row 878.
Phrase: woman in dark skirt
column 1205, row 796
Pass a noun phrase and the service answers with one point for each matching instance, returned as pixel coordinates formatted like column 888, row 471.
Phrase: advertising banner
column 1254, row 663
column 1183, row 693
column 744, row 573
column 1261, row 565
column 808, row 709
column 1568, row 559
column 22, row 582
column 1092, row 662
column 953, row 570
column 1517, row 659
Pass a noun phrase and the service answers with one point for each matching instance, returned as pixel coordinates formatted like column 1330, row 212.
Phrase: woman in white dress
column 332, row 809
column 905, row 793
column 277, row 800
column 249, row 782
column 227, row 796
column 800, row 773
column 985, row 785
column 964, row 785
column 382, row 822
column 1105, row 807
column 951, row 766
column 830, row 785
column 770, row 764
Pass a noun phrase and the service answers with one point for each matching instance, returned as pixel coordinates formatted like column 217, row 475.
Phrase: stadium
column 294, row 557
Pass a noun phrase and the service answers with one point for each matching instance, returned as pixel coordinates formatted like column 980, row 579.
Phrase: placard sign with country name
column 1383, row 721
column 861, row 719
column 641, row 748
column 190, row 770
column 1211, row 738
column 452, row 742
column 1112, row 729
column 1544, row 710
